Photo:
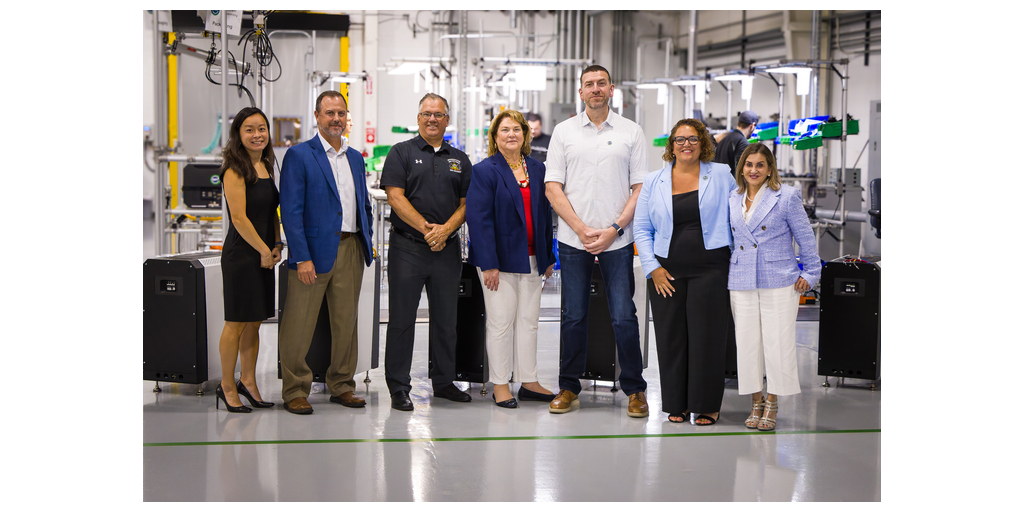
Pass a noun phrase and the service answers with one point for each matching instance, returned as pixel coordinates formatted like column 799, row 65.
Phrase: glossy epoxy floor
column 827, row 446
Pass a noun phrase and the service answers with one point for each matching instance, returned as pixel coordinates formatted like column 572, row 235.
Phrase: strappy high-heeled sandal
column 767, row 423
column 755, row 414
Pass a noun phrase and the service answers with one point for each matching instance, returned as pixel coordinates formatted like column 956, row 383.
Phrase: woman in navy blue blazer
column 765, row 282
column 510, row 243
column 682, row 235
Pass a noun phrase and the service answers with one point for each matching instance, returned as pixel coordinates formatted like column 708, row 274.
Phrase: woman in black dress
column 683, row 239
column 252, row 247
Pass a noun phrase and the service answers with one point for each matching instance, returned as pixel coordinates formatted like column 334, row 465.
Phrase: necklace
column 515, row 165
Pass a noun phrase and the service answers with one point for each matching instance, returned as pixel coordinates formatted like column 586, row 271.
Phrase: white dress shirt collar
column 327, row 145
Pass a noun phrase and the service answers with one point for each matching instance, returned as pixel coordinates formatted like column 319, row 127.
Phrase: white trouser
column 513, row 311
column 766, row 339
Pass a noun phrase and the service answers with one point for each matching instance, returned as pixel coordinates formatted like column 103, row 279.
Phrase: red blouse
column 529, row 219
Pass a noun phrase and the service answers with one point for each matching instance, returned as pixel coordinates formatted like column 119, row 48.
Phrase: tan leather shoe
column 298, row 406
column 637, row 405
column 565, row 401
column 348, row 399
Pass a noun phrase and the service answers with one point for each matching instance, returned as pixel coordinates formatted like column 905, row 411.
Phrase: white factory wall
column 396, row 102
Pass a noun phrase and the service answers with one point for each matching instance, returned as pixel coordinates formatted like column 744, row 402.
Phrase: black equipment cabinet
column 849, row 325
column 471, row 329
column 182, row 317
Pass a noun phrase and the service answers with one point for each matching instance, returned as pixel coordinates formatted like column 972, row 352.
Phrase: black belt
column 420, row 239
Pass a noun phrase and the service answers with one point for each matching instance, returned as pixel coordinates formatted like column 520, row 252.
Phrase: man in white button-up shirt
column 595, row 166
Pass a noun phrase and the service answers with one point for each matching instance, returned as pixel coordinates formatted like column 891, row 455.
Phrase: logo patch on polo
column 454, row 165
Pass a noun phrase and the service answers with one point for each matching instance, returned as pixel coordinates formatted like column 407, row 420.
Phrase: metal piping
column 160, row 133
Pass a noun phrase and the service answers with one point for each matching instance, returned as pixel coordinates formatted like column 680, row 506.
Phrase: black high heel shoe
column 220, row 396
column 243, row 391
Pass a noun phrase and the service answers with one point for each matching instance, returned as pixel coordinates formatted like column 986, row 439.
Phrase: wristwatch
column 618, row 230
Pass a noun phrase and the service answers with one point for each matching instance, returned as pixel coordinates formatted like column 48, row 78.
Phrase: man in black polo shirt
column 730, row 148
column 426, row 180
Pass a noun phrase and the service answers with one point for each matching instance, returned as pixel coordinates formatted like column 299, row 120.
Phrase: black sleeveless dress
column 249, row 288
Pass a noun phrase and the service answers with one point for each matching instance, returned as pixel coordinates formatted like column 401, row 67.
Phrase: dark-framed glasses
column 693, row 139
column 436, row 115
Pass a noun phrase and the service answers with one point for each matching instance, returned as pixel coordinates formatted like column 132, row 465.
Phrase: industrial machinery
column 849, row 325
column 182, row 319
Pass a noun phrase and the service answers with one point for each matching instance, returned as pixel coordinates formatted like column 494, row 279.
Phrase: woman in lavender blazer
column 765, row 282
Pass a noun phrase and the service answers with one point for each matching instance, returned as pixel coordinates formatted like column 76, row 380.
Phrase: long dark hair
column 236, row 157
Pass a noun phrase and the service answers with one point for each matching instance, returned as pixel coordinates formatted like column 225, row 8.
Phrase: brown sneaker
column 637, row 405
column 298, row 406
column 565, row 401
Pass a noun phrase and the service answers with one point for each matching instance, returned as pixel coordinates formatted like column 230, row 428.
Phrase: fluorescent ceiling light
column 699, row 88
column 746, row 83
column 803, row 77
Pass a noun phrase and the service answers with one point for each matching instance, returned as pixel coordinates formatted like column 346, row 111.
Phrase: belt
column 345, row 235
column 420, row 239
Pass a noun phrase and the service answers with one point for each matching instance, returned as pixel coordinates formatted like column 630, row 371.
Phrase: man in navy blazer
column 325, row 211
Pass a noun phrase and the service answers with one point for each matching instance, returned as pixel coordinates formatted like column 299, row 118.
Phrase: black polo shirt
column 434, row 183
column 729, row 150
column 539, row 147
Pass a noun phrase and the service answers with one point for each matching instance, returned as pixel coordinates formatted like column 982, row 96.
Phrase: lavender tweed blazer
column 763, row 255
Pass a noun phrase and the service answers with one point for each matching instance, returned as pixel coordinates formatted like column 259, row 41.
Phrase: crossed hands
column 437, row 236
column 596, row 241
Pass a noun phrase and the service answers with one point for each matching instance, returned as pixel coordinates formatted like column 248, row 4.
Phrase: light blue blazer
column 310, row 208
column 652, row 222
column 763, row 255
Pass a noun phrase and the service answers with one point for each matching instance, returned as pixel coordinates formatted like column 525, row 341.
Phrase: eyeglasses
column 693, row 139
column 436, row 115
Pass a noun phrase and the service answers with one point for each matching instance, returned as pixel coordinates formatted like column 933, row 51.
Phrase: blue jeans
column 617, row 270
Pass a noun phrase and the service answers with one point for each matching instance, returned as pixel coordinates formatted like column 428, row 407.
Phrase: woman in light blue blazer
column 682, row 235
column 765, row 282
column 510, row 243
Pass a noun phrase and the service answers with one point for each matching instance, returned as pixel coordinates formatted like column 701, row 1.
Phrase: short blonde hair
column 517, row 117
column 773, row 172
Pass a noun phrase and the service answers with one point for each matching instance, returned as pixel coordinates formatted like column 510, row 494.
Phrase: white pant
column 513, row 311
column 766, row 339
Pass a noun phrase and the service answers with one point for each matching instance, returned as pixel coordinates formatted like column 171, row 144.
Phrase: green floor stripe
column 521, row 438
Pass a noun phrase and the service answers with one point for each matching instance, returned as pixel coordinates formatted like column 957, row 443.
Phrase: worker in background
column 426, row 180
column 325, row 211
column 539, row 141
column 596, row 165
column 730, row 147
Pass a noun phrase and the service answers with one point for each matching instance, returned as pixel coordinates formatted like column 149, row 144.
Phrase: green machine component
column 660, row 142
column 808, row 142
column 399, row 129
column 836, row 129
column 376, row 162
column 768, row 133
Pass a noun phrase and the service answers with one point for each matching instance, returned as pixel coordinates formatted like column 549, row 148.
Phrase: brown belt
column 346, row 234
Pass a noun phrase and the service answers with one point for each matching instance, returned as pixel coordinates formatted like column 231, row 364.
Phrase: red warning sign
column 371, row 135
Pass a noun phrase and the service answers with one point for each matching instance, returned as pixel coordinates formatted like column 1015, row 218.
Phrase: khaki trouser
column 341, row 285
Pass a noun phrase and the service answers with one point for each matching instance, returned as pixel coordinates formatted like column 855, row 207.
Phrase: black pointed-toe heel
column 220, row 396
column 243, row 391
